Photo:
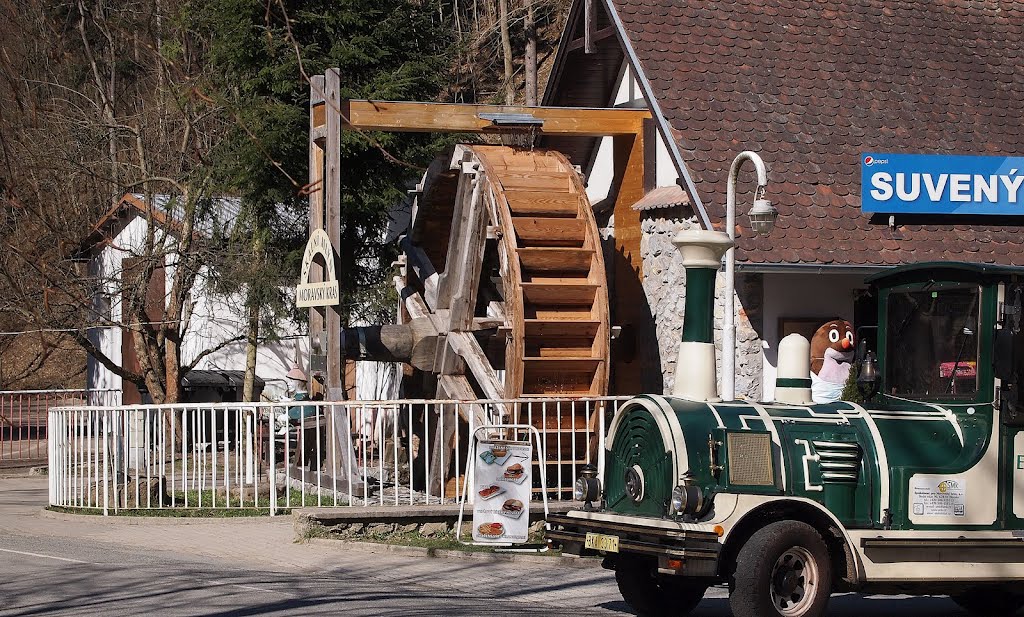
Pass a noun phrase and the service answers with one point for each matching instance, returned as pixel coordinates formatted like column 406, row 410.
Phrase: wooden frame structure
column 630, row 128
column 439, row 337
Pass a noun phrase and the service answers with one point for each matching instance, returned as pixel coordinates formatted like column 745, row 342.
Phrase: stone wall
column 664, row 281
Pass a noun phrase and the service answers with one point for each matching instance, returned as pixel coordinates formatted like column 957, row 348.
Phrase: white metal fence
column 313, row 453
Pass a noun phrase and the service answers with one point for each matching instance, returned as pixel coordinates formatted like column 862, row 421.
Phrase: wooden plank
column 532, row 203
column 487, row 323
column 443, row 448
column 543, row 231
column 562, row 365
column 451, row 281
column 557, row 259
column 554, row 351
column 548, row 329
column 514, row 180
column 559, row 294
column 465, row 118
column 558, row 313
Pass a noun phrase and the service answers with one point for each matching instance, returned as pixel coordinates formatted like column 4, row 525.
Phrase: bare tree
column 100, row 102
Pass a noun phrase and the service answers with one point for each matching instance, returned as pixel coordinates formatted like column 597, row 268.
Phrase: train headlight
column 686, row 499
column 587, row 487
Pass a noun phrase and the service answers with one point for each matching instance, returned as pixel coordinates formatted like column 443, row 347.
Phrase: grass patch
column 445, row 542
column 285, row 503
column 179, row 512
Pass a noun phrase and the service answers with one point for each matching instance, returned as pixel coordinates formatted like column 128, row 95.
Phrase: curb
column 435, row 553
column 162, row 520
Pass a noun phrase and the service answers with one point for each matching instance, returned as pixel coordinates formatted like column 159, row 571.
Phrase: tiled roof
column 812, row 84
column 663, row 197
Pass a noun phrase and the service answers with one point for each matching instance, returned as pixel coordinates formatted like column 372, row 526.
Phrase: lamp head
column 762, row 216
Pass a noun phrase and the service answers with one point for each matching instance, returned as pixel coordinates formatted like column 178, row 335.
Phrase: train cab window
column 932, row 342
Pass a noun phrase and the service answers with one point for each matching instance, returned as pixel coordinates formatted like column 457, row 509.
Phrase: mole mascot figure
column 831, row 360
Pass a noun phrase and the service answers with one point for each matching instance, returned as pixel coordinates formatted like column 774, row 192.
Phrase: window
column 932, row 342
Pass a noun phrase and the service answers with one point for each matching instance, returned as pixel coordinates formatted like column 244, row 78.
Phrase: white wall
column 599, row 176
column 824, row 296
column 215, row 319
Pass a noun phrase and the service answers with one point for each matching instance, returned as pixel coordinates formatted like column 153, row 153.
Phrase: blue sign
column 941, row 184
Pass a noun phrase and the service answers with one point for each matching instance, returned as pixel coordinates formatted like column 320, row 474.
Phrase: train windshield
column 932, row 348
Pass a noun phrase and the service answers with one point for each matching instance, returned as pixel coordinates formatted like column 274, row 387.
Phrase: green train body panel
column 917, row 438
column 952, row 460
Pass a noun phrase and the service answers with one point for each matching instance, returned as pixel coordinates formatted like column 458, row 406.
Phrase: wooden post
column 629, row 302
column 339, row 424
column 316, row 202
column 332, row 187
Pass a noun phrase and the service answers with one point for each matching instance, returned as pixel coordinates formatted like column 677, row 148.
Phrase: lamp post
column 762, row 220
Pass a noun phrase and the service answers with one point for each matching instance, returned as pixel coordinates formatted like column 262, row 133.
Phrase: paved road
column 96, row 566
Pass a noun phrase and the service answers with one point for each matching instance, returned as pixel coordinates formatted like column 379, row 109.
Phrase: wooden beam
column 414, row 302
column 467, row 192
column 465, row 118
column 424, row 270
column 589, row 17
column 458, row 388
column 472, row 245
column 316, row 202
column 332, row 210
column 600, row 35
column 466, row 345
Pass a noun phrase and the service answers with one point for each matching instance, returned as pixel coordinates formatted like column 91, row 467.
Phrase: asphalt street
column 92, row 566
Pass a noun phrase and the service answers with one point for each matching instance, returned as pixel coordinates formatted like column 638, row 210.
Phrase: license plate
column 601, row 542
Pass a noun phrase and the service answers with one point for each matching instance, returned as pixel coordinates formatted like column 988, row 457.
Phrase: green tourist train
column 917, row 488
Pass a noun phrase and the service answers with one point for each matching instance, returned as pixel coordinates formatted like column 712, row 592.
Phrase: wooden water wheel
column 504, row 269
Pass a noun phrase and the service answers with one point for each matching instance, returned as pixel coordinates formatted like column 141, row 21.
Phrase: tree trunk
column 251, row 339
column 530, row 69
column 506, row 51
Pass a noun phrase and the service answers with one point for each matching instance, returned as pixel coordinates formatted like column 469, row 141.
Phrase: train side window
column 932, row 342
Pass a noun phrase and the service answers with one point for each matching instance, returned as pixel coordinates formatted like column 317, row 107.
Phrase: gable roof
column 167, row 213
column 812, row 85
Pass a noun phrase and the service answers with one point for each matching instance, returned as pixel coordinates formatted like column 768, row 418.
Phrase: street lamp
column 762, row 220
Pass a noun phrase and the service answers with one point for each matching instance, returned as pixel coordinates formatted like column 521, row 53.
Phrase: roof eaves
column 561, row 53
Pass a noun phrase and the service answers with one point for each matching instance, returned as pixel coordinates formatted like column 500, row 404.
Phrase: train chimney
column 793, row 376
column 702, row 251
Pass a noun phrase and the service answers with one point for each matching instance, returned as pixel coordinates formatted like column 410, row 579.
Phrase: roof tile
column 810, row 85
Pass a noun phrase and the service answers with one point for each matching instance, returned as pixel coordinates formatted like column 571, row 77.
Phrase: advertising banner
column 501, row 479
column 942, row 184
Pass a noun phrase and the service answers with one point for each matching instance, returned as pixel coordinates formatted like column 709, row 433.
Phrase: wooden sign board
column 325, row 293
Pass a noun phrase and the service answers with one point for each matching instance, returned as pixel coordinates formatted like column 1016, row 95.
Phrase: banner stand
column 504, row 478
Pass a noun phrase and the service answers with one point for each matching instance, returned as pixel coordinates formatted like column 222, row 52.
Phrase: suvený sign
column 941, row 184
column 317, row 294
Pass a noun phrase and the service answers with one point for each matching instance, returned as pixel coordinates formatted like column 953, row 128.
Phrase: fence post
column 272, row 471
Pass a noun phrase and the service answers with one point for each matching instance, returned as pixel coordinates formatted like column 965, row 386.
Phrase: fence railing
column 23, row 418
column 312, row 453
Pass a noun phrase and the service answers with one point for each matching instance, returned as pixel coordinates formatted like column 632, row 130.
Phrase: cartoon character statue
column 831, row 360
